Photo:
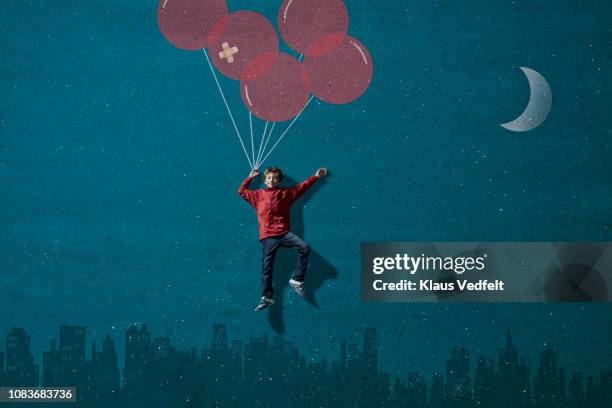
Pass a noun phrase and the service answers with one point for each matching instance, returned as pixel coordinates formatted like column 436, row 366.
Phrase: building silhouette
column 484, row 387
column 66, row 364
column 548, row 385
column 101, row 388
column 458, row 383
column 437, row 392
column 20, row 367
column 138, row 356
column 512, row 378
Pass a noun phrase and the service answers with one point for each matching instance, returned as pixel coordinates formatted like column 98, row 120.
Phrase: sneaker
column 298, row 287
column 264, row 303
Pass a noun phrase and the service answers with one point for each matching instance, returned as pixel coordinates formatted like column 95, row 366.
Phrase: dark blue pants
column 270, row 245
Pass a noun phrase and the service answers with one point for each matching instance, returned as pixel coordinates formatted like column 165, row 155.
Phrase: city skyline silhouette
column 263, row 371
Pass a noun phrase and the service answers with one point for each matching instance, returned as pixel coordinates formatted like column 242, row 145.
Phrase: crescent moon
column 538, row 108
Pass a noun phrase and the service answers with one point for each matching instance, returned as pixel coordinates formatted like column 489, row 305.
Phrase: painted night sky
column 119, row 169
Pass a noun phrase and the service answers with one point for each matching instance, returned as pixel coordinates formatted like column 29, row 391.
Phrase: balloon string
column 227, row 107
column 285, row 132
column 261, row 143
column 267, row 139
column 266, row 143
column 252, row 143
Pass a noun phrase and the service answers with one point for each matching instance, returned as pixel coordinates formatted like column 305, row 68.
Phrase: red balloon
column 303, row 22
column 188, row 23
column 280, row 93
column 342, row 75
column 238, row 38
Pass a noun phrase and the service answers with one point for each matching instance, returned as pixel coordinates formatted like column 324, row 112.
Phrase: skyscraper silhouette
column 102, row 386
column 138, row 355
column 437, row 392
column 66, row 366
column 370, row 349
column 575, row 389
column 513, row 387
column 549, row 381
column 20, row 367
column 485, row 394
column 458, row 384
column 219, row 339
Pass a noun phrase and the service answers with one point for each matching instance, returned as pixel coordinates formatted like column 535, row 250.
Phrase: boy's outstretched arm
column 298, row 190
column 244, row 191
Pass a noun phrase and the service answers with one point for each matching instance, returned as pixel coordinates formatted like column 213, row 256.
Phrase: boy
column 272, row 205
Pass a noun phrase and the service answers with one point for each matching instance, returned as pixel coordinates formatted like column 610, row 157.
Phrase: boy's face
column 272, row 180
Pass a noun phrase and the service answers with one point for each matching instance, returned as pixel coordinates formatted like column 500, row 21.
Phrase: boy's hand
column 321, row 172
column 254, row 173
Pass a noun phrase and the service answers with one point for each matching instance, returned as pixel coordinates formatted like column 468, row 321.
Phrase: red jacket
column 273, row 204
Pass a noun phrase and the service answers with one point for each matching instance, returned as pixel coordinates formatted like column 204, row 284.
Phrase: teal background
column 119, row 170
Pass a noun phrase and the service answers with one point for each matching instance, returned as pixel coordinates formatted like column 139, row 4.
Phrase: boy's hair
column 274, row 170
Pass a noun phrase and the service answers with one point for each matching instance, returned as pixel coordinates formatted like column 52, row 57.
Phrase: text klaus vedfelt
column 412, row 264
